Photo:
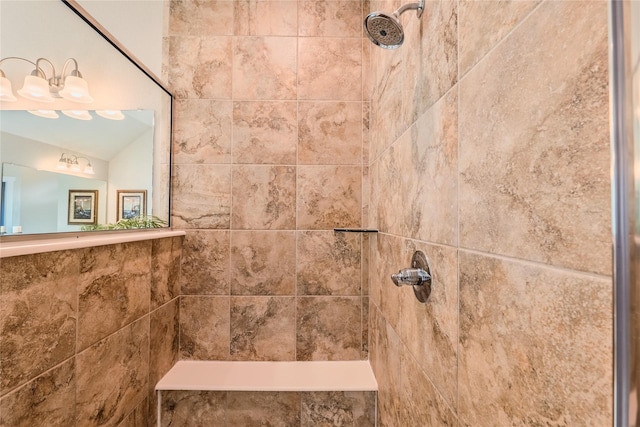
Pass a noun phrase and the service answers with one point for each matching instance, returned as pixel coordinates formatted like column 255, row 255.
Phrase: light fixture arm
column 19, row 58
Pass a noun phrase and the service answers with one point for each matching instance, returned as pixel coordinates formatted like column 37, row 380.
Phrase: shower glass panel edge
column 623, row 53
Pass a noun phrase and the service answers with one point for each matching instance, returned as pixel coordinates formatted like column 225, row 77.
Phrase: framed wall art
column 131, row 204
column 83, row 207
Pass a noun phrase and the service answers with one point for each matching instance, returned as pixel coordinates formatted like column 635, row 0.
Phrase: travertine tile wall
column 286, row 408
column 490, row 153
column 268, row 159
column 86, row 334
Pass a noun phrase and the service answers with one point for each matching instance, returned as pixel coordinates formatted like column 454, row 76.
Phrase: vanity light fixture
column 110, row 114
column 77, row 114
column 70, row 162
column 38, row 87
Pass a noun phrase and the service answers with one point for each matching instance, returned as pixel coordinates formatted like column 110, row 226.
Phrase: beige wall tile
column 165, row 270
column 535, row 345
column 200, row 67
column 333, row 18
column 420, row 403
column 46, row 399
column 535, row 166
column 484, row 23
column 37, row 326
column 264, row 68
column 329, row 196
column 201, row 196
column 139, row 417
column 263, row 262
column 263, row 328
column 205, row 263
column 438, row 63
column 265, row 18
column 347, row 408
column 330, row 69
column 328, row 328
column 114, row 289
column 107, row 395
column 187, row 408
column 202, row 131
column 204, row 328
column 264, row 197
column 387, row 369
column 391, row 257
column 201, row 18
column 430, row 331
column 431, row 192
column 386, row 118
column 71, row 390
column 265, row 132
column 330, row 133
column 329, row 263
column 164, row 348
column 246, row 408
column 392, row 187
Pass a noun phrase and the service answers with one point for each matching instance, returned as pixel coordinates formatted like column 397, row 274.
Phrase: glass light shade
column 89, row 169
column 76, row 89
column 111, row 114
column 47, row 114
column 77, row 114
column 75, row 167
column 36, row 89
column 62, row 164
column 6, row 94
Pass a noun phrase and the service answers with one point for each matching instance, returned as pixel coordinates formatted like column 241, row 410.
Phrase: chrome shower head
column 386, row 30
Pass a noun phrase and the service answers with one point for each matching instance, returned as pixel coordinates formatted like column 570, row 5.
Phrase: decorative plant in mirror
column 37, row 87
column 129, row 223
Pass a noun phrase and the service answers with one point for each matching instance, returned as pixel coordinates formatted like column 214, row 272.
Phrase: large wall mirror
column 85, row 132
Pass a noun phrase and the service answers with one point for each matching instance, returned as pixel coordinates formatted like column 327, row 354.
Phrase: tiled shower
column 483, row 141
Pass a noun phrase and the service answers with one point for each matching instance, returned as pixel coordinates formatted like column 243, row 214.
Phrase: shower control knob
column 418, row 277
column 411, row 277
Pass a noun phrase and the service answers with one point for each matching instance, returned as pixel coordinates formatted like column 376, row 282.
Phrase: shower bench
column 234, row 393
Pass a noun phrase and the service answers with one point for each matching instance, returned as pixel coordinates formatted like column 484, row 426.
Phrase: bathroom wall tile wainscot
column 60, row 364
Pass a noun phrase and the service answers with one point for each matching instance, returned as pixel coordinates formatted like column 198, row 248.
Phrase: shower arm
column 419, row 7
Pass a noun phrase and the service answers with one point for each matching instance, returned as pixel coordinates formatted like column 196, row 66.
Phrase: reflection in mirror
column 115, row 141
column 65, row 154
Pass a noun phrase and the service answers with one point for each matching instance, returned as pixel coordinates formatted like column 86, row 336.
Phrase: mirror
column 96, row 162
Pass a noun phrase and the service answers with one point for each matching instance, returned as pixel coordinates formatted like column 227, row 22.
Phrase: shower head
column 386, row 30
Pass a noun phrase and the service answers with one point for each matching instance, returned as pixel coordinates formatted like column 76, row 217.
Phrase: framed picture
column 83, row 207
column 131, row 204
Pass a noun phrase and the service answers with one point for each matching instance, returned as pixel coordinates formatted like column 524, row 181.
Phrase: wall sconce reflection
column 38, row 87
column 70, row 162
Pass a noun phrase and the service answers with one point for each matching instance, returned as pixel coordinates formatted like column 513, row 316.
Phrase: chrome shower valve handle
column 411, row 277
column 418, row 276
